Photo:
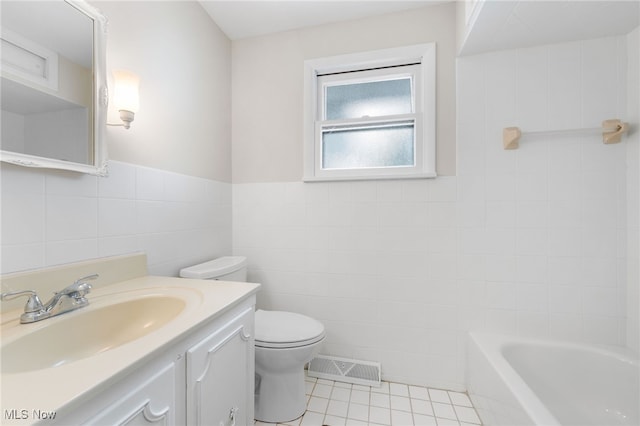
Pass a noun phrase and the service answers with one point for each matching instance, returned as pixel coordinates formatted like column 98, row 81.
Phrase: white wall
column 184, row 63
column 268, row 81
column 528, row 242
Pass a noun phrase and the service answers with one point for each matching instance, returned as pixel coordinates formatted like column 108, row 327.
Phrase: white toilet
column 284, row 343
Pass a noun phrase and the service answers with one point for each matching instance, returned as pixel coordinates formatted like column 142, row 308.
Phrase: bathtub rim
column 491, row 346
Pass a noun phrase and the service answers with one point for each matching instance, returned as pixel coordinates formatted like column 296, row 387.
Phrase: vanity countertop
column 51, row 389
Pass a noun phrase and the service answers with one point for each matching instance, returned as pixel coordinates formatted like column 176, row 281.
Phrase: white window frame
column 424, row 82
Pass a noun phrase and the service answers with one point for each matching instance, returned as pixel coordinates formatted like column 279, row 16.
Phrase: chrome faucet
column 68, row 299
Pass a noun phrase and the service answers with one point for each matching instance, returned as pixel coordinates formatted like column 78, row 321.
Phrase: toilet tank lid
column 214, row 268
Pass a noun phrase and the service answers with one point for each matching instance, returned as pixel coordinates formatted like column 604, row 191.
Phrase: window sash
column 369, row 123
column 338, row 126
column 367, row 76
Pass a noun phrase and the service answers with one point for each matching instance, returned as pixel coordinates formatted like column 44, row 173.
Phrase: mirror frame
column 100, row 102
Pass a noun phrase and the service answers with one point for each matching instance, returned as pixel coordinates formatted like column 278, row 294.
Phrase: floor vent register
column 345, row 370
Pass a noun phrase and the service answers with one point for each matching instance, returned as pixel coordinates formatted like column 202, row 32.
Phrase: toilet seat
column 277, row 329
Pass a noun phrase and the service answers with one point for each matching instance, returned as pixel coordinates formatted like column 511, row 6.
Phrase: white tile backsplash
column 66, row 251
column 121, row 182
column 149, row 184
column 23, row 223
column 20, row 180
column 116, row 217
column 52, row 217
column 63, row 183
column 70, row 217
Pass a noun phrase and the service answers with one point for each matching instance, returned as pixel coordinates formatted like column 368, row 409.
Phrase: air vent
column 345, row 370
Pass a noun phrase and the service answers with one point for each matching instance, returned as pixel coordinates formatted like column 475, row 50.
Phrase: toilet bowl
column 284, row 343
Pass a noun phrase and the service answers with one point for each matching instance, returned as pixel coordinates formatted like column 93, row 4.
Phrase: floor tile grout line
column 388, row 395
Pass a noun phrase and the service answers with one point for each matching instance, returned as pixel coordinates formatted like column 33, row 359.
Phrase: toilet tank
column 227, row 268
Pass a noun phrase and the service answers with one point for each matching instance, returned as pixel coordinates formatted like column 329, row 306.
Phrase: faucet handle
column 79, row 288
column 88, row 277
column 34, row 304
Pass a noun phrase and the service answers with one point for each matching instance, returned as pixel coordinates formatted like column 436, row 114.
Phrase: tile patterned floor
column 393, row 404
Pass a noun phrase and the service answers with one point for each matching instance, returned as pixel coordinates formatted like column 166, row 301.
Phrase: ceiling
column 493, row 24
column 242, row 19
column 498, row 25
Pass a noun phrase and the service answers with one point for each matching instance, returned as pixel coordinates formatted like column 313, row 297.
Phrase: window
column 371, row 115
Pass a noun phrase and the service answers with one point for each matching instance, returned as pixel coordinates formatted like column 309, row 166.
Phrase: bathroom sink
column 88, row 332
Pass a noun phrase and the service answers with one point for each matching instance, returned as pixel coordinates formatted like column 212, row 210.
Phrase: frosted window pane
column 368, row 147
column 373, row 99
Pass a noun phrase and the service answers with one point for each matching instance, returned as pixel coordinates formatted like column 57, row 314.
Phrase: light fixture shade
column 125, row 95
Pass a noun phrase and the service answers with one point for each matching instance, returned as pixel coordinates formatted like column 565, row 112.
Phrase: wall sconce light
column 125, row 96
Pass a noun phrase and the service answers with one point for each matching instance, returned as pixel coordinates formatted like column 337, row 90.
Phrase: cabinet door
column 220, row 375
column 152, row 402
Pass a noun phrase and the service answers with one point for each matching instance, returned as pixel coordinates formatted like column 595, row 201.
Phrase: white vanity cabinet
column 220, row 375
column 205, row 377
column 152, row 402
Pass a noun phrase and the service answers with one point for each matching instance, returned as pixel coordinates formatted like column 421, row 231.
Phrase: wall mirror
column 53, row 85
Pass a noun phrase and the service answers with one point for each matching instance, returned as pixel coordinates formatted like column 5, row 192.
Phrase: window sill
column 311, row 179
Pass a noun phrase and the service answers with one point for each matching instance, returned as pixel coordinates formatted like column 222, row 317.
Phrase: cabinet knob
column 231, row 421
column 232, row 416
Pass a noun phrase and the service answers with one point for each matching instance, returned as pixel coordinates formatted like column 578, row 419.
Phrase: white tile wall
column 554, row 226
column 376, row 262
column 527, row 242
column 52, row 217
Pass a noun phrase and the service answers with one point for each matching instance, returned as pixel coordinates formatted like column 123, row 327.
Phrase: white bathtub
column 516, row 381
